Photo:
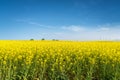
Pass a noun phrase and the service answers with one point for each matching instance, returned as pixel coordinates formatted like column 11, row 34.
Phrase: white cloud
column 76, row 32
column 41, row 25
column 73, row 28
column 101, row 32
column 28, row 21
column 104, row 29
column 37, row 24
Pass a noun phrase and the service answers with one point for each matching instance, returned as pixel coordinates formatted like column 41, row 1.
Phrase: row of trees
column 44, row 39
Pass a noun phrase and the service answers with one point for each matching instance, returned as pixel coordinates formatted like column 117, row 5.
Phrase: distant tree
column 54, row 40
column 42, row 39
column 57, row 40
column 31, row 39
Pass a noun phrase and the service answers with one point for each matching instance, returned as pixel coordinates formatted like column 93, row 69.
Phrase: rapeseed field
column 59, row 60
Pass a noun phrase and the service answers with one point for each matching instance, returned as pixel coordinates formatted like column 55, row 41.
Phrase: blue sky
column 60, row 19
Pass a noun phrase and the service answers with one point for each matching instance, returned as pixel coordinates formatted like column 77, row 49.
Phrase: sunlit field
column 59, row 60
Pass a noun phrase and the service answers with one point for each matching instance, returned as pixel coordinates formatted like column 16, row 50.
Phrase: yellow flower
column 4, row 62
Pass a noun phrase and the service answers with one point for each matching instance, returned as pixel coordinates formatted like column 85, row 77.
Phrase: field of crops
column 59, row 60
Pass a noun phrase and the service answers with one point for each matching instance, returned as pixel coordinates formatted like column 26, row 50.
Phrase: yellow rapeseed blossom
column 59, row 60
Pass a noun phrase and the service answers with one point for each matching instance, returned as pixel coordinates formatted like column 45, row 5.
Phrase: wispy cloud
column 108, row 27
column 101, row 32
column 104, row 29
column 28, row 21
column 73, row 28
column 38, row 24
column 77, row 32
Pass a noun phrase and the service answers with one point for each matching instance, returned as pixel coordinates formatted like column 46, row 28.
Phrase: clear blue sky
column 60, row 19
